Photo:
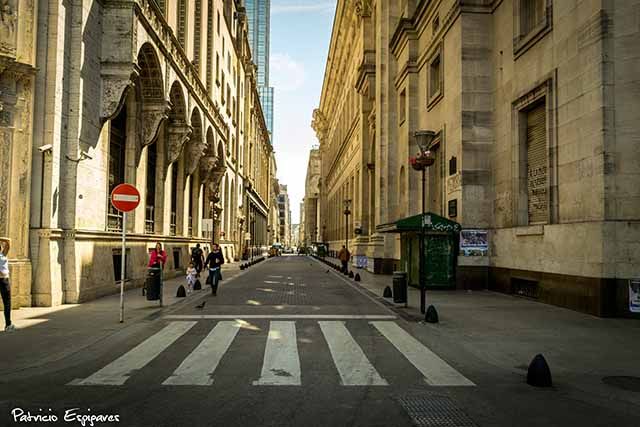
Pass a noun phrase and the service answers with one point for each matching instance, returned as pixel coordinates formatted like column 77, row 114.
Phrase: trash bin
column 400, row 286
column 153, row 283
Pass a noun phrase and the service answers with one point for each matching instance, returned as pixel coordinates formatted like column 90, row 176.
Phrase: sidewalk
column 46, row 334
column 507, row 331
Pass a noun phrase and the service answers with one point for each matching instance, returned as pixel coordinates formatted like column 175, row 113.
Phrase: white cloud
column 303, row 7
column 286, row 74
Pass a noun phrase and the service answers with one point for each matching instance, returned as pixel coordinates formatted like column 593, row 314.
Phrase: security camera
column 45, row 148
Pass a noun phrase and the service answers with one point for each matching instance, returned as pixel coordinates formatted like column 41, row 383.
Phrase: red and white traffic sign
column 125, row 197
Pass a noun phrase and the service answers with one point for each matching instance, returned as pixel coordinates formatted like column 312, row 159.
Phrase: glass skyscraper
column 258, row 16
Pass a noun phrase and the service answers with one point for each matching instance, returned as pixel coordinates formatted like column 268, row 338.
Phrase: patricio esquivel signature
column 71, row 415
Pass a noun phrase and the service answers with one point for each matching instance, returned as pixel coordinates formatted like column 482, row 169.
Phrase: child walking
column 192, row 272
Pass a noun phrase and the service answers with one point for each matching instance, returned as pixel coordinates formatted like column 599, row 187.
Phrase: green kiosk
column 440, row 245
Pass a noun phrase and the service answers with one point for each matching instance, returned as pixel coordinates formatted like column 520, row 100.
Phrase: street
column 290, row 343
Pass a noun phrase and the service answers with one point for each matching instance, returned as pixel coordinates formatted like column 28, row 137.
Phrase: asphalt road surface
column 287, row 343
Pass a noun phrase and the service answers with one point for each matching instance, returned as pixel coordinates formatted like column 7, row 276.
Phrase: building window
column 531, row 15
column 176, row 259
column 402, row 107
column 149, row 216
column 536, row 152
column 116, row 256
column 117, row 141
column 223, row 93
column 182, row 22
column 435, row 78
column 532, row 20
column 453, row 165
column 218, row 69
column 218, row 22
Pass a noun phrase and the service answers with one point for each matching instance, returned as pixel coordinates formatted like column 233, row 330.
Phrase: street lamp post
column 347, row 212
column 213, row 221
column 423, row 160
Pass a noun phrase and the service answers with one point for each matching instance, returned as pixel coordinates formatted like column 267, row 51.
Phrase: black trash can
column 153, row 283
column 400, row 286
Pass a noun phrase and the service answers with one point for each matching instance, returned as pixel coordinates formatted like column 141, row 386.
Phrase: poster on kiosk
column 634, row 296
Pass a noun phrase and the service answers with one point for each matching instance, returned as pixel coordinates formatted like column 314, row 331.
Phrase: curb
column 377, row 299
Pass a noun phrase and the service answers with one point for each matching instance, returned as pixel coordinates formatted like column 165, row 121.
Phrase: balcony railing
column 114, row 221
column 149, row 223
column 172, row 226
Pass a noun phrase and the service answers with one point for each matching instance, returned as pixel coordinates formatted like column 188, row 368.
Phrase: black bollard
column 351, row 275
column 357, row 278
column 539, row 374
column 387, row 292
column 197, row 286
column 241, row 266
column 181, row 292
column 432, row 315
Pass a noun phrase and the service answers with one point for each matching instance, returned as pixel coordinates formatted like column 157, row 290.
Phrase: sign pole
column 125, row 198
column 122, row 264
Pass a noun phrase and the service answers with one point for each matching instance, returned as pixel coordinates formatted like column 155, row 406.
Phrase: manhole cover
column 625, row 383
column 435, row 411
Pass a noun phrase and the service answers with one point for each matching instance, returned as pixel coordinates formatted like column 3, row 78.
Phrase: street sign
column 125, row 197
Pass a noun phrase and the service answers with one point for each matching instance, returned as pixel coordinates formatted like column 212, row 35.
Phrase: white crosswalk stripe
column 118, row 371
column 353, row 366
column 435, row 370
column 199, row 366
column 281, row 364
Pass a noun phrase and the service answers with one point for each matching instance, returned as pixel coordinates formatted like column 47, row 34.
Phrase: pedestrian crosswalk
column 281, row 365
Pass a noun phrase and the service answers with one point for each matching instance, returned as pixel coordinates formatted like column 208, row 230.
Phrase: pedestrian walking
column 214, row 262
column 192, row 272
column 197, row 257
column 344, row 256
column 5, row 286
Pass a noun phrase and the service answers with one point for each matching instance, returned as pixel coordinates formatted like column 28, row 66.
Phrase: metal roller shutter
column 537, row 165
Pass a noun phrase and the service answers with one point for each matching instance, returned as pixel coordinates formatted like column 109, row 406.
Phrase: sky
column 300, row 35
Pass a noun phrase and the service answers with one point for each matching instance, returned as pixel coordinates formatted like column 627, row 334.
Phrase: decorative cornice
column 363, row 8
column 405, row 28
column 153, row 114
column 117, row 79
column 319, row 124
column 177, row 136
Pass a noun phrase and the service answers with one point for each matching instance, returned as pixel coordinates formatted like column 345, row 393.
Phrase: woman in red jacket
column 157, row 256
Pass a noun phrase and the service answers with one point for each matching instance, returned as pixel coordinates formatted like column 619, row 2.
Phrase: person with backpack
column 214, row 262
column 197, row 258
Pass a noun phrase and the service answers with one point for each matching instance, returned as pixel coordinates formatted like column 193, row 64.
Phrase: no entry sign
column 125, row 197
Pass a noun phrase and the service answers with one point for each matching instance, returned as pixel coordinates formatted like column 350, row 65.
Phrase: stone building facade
column 284, row 216
column 311, row 204
column 18, row 32
column 160, row 94
column 536, row 122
